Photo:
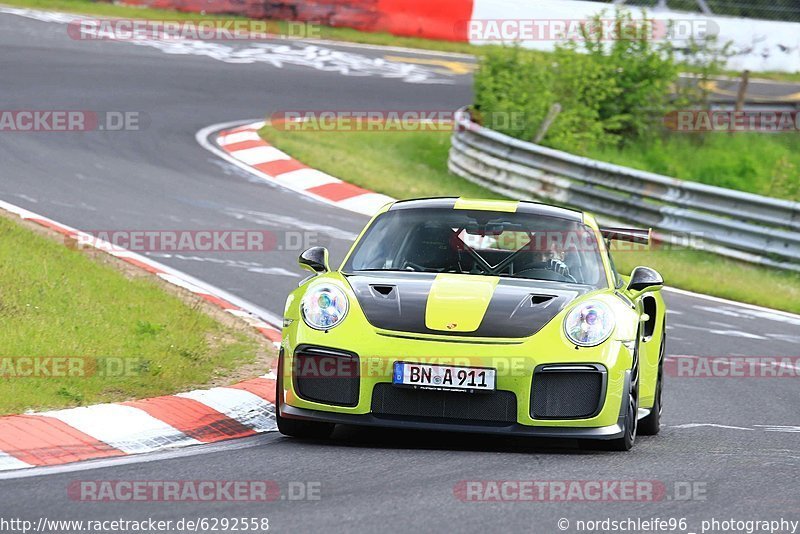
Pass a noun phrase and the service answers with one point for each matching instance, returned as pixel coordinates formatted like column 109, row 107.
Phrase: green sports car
column 476, row 316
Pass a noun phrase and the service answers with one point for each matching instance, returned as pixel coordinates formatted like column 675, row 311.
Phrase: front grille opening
column 567, row 393
column 497, row 408
column 326, row 376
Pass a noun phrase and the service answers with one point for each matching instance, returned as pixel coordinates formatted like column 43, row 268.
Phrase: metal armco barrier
column 740, row 225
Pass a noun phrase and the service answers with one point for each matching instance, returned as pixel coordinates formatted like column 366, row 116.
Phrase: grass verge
column 765, row 164
column 126, row 337
column 414, row 164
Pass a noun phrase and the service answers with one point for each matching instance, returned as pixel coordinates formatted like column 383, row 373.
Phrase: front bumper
column 606, row 432
column 607, row 423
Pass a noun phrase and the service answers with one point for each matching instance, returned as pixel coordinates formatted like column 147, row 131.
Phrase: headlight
column 589, row 323
column 324, row 307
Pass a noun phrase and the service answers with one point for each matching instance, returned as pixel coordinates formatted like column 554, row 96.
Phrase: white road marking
column 784, row 337
column 780, row 428
column 753, row 307
column 720, row 311
column 736, row 333
column 284, row 221
column 723, row 325
column 710, row 425
column 251, row 266
column 275, row 54
column 274, row 271
column 125, row 428
column 770, row 316
column 726, row 333
column 791, row 429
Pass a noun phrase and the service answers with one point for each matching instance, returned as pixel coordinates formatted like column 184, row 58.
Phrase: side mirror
column 645, row 280
column 315, row 259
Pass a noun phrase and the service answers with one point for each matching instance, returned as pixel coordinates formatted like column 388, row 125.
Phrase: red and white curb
column 109, row 430
column 248, row 150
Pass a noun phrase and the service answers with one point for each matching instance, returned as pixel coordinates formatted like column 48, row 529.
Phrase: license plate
column 443, row 377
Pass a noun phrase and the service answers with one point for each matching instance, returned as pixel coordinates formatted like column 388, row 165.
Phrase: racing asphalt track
column 370, row 480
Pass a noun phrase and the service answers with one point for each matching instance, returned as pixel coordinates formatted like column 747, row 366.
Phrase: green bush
column 614, row 95
column 613, row 85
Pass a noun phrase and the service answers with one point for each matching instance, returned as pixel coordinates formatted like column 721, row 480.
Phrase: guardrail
column 740, row 225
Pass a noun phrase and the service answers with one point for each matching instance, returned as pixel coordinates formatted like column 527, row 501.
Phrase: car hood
column 460, row 304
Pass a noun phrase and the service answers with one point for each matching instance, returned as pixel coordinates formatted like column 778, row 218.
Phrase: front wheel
column 650, row 425
column 625, row 443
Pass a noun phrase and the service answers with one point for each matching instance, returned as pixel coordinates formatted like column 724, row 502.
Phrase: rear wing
column 631, row 235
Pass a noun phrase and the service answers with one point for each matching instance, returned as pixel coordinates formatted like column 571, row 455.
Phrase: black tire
column 629, row 432
column 297, row 428
column 626, row 442
column 650, row 425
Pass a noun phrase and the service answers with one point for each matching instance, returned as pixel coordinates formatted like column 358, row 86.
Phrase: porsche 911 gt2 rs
column 476, row 316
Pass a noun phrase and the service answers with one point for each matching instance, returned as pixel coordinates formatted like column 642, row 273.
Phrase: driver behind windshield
column 516, row 245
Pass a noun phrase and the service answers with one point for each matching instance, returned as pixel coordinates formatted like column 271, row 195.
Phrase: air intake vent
column 496, row 408
column 567, row 391
column 541, row 299
column 383, row 290
column 326, row 375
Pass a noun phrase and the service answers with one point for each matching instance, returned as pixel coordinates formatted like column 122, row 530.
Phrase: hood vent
column 382, row 290
column 540, row 299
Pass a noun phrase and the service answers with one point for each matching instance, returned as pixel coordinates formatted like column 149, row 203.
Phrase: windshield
column 516, row 245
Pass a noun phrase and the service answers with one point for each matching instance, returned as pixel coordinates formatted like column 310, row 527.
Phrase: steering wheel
column 418, row 267
column 567, row 277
